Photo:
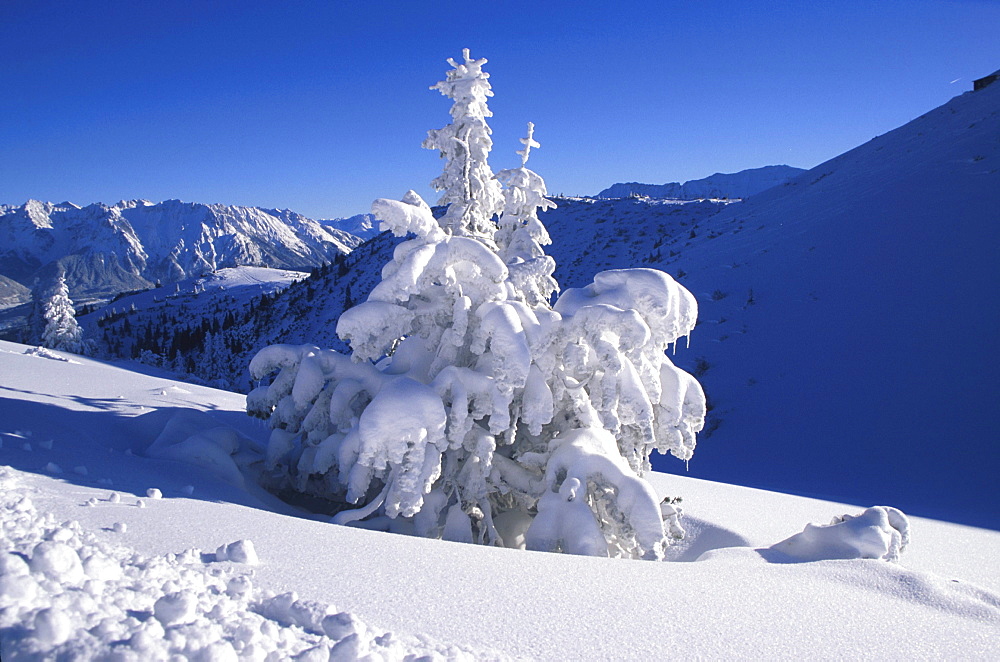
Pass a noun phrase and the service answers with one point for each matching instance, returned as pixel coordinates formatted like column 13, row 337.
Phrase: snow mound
column 66, row 594
column 194, row 437
column 241, row 551
column 44, row 353
column 879, row 532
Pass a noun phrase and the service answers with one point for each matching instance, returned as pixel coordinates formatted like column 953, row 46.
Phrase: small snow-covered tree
column 469, row 189
column 521, row 235
column 471, row 408
column 61, row 329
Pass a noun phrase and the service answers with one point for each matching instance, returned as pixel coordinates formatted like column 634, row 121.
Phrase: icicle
column 688, row 337
column 687, row 466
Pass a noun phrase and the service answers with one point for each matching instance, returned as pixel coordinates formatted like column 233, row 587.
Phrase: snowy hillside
column 733, row 186
column 211, row 326
column 129, row 246
column 12, row 293
column 184, row 326
column 849, row 322
column 589, row 236
column 114, row 543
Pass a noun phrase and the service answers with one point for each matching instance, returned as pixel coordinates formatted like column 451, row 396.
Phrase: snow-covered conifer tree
column 61, row 329
column 521, row 235
column 471, row 408
column 470, row 191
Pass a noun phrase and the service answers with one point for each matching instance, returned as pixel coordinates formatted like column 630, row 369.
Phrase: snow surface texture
column 941, row 601
column 66, row 592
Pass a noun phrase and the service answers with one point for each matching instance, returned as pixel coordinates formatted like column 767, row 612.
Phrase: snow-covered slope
column 183, row 325
column 12, row 293
column 238, row 285
column 130, row 245
column 736, row 185
column 848, row 335
column 242, row 310
column 590, row 235
column 111, row 536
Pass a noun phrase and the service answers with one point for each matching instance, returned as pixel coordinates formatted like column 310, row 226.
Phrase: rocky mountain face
column 106, row 250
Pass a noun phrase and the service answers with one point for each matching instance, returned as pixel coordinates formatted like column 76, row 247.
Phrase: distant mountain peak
column 359, row 225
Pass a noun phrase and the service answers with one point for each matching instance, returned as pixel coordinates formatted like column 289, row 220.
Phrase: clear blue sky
column 321, row 107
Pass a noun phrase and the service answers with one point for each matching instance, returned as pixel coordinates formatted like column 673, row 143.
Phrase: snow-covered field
column 109, row 547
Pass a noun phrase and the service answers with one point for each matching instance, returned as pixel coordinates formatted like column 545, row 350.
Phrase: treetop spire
column 467, row 184
column 528, row 143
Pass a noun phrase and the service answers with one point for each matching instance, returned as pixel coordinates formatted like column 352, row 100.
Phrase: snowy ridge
column 732, row 186
column 130, row 245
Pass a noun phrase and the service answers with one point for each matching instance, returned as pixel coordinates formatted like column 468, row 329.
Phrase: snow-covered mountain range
column 131, row 245
column 732, row 186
